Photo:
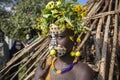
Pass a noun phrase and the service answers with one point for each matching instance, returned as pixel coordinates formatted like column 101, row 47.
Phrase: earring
column 72, row 53
column 78, row 54
column 53, row 52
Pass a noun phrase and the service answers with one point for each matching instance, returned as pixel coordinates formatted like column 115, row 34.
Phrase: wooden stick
column 96, row 8
column 35, row 54
column 40, row 53
column 25, row 50
column 112, row 62
column 93, row 7
column 98, row 41
column 38, row 59
column 103, row 14
column 90, row 6
column 30, row 75
column 102, row 71
column 86, row 37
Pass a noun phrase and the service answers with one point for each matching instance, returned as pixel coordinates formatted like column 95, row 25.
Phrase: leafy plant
column 64, row 13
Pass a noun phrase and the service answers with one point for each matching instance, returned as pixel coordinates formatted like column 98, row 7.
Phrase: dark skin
column 79, row 72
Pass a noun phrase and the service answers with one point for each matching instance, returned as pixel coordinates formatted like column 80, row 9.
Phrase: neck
column 63, row 64
column 66, row 59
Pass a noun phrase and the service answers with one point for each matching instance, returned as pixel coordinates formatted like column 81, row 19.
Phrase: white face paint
column 28, row 36
column 60, row 50
column 54, row 45
column 18, row 46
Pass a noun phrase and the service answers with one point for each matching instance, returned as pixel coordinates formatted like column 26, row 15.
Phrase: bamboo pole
column 112, row 62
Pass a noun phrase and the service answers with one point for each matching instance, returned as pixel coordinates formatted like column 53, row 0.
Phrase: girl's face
column 18, row 45
column 61, row 42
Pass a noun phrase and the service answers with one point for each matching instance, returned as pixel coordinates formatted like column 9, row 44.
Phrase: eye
column 60, row 36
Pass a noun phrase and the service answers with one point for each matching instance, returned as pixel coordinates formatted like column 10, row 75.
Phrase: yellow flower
column 37, row 27
column 85, row 9
column 50, row 5
column 38, row 20
column 62, row 13
column 68, row 26
column 78, row 8
column 65, row 13
column 84, row 14
column 44, row 32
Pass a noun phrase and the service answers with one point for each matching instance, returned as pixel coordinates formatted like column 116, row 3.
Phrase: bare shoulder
column 83, row 71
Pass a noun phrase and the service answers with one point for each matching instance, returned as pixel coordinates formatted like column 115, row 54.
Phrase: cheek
column 67, row 43
column 18, row 47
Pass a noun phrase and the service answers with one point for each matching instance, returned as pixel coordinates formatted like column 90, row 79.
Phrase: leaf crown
column 65, row 14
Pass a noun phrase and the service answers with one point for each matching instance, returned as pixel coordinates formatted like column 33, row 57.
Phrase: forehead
column 54, row 29
column 18, row 43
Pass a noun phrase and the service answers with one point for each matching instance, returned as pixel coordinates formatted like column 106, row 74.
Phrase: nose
column 53, row 41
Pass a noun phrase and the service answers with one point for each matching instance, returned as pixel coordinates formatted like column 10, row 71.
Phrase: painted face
column 61, row 42
column 27, row 36
column 18, row 46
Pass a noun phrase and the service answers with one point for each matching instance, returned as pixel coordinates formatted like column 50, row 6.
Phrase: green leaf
column 68, row 21
column 46, row 15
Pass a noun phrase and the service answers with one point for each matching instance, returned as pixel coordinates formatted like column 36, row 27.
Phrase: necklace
column 64, row 70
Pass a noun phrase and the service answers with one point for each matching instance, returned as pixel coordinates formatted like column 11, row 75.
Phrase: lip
column 60, row 50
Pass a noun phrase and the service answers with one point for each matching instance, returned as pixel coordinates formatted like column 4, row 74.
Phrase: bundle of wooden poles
column 99, row 46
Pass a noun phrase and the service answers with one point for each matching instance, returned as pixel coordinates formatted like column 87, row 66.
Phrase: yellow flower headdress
column 63, row 13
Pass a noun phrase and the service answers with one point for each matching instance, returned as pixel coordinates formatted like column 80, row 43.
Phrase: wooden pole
column 102, row 71
column 112, row 62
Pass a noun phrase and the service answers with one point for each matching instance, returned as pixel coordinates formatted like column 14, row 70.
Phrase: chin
column 60, row 53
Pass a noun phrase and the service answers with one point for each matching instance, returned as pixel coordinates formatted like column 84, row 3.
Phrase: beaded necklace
column 64, row 70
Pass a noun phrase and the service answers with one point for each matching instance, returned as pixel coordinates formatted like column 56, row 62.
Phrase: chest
column 66, row 76
column 71, row 74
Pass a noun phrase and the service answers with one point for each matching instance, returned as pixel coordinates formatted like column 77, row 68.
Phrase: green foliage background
column 18, row 23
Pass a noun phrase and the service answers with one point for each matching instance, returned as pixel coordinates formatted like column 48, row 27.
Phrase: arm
column 87, row 75
column 84, row 72
column 41, row 72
